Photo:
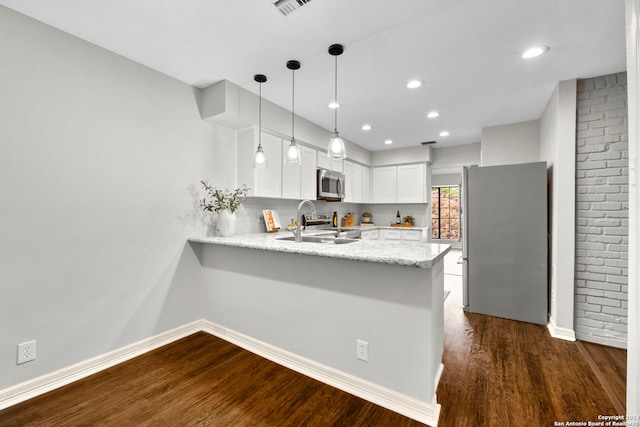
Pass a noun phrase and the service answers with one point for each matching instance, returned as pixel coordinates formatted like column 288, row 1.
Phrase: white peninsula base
column 307, row 312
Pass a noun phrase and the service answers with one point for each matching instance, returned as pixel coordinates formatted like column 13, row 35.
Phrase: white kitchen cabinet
column 413, row 235
column 348, row 181
column 325, row 162
column 400, row 184
column 411, row 183
column 370, row 234
column 366, row 184
column 384, row 184
column 291, row 180
column 263, row 182
column 392, row 234
column 337, row 165
column 357, row 182
column 299, row 181
column 308, row 176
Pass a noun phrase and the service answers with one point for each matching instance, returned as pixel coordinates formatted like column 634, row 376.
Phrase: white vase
column 226, row 223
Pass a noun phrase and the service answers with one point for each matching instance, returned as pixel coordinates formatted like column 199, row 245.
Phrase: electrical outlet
column 26, row 352
column 362, row 350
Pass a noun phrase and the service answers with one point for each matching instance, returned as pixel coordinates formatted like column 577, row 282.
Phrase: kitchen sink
column 321, row 239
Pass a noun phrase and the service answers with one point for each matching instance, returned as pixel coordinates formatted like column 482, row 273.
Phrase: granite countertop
column 403, row 253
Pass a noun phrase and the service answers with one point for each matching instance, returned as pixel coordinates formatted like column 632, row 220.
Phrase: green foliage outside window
column 445, row 212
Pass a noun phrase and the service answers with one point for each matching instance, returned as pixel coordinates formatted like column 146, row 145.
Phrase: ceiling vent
column 428, row 142
column 286, row 7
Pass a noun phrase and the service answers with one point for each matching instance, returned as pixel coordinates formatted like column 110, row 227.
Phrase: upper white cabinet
column 263, row 182
column 366, row 184
column 400, row 184
column 308, row 176
column 299, row 181
column 411, row 183
column 325, row 162
column 278, row 180
column 357, row 182
column 291, row 182
column 348, row 181
column 384, row 184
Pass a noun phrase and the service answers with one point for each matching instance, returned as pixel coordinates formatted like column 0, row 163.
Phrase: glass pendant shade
column 336, row 148
column 259, row 158
column 292, row 155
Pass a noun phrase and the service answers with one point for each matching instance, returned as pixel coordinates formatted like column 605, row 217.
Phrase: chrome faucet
column 298, row 232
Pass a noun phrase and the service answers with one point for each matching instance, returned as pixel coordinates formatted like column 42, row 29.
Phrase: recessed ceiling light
column 444, row 133
column 334, row 104
column 388, row 142
column 413, row 84
column 534, row 51
column 366, row 127
column 433, row 114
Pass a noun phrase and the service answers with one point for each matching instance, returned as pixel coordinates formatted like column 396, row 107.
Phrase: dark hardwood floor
column 497, row 373
column 200, row 380
column 505, row 373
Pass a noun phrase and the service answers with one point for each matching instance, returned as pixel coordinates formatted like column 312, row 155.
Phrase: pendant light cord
column 293, row 100
column 260, row 119
column 335, row 113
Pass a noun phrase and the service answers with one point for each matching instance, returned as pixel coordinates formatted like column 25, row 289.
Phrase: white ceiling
column 467, row 52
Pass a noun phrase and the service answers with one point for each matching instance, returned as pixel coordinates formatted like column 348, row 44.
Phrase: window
column 445, row 212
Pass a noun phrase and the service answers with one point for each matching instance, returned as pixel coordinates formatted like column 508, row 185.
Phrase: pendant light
column 292, row 155
column 259, row 158
column 336, row 147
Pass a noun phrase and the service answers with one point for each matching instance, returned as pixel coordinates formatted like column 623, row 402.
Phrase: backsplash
column 250, row 213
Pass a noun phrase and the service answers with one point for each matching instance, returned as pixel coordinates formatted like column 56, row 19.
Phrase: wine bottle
column 398, row 218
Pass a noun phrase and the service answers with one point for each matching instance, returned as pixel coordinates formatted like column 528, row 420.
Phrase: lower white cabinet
column 414, row 235
column 370, row 234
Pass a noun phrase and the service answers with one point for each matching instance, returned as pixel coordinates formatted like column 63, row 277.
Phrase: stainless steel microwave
column 330, row 185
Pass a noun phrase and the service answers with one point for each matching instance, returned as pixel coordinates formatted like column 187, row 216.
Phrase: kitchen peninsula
column 365, row 317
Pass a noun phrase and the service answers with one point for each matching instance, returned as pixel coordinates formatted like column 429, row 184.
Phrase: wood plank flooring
column 497, row 373
column 200, row 380
column 505, row 373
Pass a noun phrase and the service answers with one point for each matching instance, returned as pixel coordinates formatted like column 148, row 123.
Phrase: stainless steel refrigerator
column 504, row 235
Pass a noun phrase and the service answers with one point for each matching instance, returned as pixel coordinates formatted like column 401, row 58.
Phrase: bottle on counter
column 335, row 219
column 398, row 219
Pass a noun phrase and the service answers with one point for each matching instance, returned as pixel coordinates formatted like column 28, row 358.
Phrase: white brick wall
column 602, row 203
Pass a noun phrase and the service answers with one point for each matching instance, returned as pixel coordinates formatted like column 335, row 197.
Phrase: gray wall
column 602, row 195
column 557, row 148
column 510, row 144
column 97, row 154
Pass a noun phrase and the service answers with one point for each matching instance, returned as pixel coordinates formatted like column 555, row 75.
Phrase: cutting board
column 406, row 224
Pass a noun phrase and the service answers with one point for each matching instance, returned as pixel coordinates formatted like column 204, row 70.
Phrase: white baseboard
column 43, row 384
column 426, row 412
column 560, row 333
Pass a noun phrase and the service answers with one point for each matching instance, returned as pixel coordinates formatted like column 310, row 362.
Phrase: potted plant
column 409, row 220
column 224, row 203
column 366, row 216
